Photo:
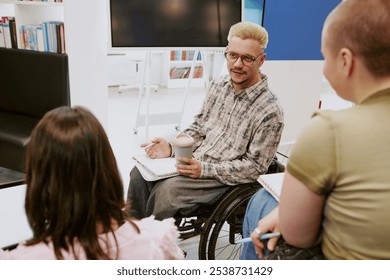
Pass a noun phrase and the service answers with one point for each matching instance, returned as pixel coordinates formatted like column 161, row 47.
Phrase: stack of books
column 46, row 36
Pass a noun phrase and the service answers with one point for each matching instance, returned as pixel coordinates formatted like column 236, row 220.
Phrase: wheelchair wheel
column 225, row 225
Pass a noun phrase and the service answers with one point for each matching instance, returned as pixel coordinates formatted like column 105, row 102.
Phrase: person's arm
column 308, row 180
column 300, row 213
column 158, row 148
column 269, row 223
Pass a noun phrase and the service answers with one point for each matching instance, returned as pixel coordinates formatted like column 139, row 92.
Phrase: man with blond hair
column 236, row 132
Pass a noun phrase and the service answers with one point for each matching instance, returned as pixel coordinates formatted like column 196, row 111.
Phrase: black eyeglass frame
column 240, row 56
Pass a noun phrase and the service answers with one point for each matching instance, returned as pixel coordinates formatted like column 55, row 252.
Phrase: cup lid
column 183, row 140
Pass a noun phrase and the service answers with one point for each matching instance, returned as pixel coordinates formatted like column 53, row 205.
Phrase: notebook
column 155, row 169
column 272, row 183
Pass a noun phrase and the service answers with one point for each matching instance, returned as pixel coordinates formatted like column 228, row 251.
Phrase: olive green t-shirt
column 346, row 155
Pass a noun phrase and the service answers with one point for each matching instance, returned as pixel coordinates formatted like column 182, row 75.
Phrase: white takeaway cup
column 183, row 145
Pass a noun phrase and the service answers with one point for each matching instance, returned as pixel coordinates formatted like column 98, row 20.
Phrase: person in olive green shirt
column 336, row 189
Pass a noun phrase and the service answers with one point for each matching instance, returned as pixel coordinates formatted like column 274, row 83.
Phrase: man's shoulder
column 266, row 101
column 221, row 80
column 263, row 94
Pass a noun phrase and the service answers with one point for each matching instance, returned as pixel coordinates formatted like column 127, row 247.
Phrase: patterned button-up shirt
column 237, row 134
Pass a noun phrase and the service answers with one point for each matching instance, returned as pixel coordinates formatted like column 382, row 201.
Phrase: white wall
column 298, row 85
column 85, row 28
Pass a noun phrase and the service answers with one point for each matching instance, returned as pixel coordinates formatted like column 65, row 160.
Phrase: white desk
column 13, row 220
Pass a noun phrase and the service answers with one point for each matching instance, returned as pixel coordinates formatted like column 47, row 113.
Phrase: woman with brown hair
column 75, row 200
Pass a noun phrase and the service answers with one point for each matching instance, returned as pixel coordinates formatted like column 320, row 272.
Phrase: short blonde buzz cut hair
column 364, row 28
column 249, row 30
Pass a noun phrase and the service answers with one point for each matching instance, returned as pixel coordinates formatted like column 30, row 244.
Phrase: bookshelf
column 32, row 18
column 85, row 45
column 178, row 69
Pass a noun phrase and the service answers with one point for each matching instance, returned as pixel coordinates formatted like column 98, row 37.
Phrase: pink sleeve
column 167, row 235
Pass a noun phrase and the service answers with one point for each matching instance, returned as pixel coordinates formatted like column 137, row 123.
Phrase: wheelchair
column 220, row 224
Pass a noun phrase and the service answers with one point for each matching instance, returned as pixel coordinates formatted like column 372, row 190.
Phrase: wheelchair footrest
column 190, row 227
column 188, row 234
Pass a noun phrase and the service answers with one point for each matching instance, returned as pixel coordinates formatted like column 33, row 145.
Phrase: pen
column 262, row 237
column 150, row 145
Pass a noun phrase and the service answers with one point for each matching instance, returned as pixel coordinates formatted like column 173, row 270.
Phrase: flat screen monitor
column 172, row 23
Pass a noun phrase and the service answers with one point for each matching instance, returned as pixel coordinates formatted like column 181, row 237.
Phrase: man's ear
column 262, row 59
column 346, row 62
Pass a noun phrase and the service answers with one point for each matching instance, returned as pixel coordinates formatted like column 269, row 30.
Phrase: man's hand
column 267, row 224
column 193, row 169
column 158, row 148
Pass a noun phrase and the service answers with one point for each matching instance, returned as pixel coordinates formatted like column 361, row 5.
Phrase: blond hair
column 249, row 30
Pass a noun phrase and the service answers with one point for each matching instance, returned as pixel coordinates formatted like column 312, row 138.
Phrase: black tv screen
column 172, row 23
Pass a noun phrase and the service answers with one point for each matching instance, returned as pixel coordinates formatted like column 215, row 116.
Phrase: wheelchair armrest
column 275, row 167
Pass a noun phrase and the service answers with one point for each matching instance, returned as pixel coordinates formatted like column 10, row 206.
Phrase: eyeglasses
column 247, row 60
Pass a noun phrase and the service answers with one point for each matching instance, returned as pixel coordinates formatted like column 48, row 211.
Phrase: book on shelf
column 172, row 55
column 2, row 41
column 198, row 73
column 12, row 30
column 23, row 37
column 199, row 56
column 45, row 31
column 45, row 36
column 178, row 72
column 60, row 32
column 272, row 183
column 57, row 36
column 51, row 35
column 28, row 35
column 7, row 32
column 40, row 38
column 190, row 55
column 173, row 72
column 176, row 55
column 155, row 169
column 183, row 55
column 184, row 72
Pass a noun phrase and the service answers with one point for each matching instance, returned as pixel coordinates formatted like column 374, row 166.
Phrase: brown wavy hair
column 73, row 183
